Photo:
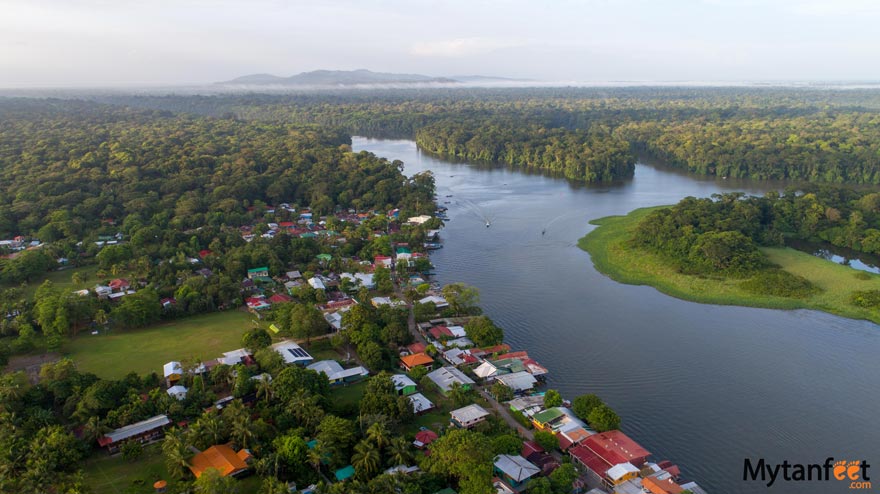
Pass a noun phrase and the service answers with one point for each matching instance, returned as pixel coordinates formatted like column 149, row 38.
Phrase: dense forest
column 721, row 235
column 809, row 135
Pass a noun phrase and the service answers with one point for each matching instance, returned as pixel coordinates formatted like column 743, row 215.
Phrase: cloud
column 461, row 47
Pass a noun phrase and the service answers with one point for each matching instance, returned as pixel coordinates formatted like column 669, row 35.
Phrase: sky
column 77, row 43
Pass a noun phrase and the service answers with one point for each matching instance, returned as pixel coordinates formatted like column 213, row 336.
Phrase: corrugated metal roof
column 138, row 428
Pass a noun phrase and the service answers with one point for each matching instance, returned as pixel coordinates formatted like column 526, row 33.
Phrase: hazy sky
column 110, row 42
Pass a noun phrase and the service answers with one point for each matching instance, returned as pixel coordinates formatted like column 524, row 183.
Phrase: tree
column 462, row 299
column 540, row 485
column 382, row 279
column 546, row 440
column 467, row 456
column 212, row 481
column 552, row 398
column 176, row 453
column 399, row 451
column 292, row 452
column 138, row 309
column 563, row 477
column 336, row 435
column 378, row 434
column 292, row 379
column 584, row 404
column 502, row 392
column 132, row 450
column 306, row 322
column 256, row 339
column 602, row 418
column 483, row 332
column 366, row 460
column 506, row 444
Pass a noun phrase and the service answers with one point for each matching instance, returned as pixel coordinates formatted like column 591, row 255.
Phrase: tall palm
column 378, row 433
column 366, row 459
column 94, row 429
column 176, row 453
column 208, row 430
column 399, row 451
column 264, row 389
column 239, row 422
column 315, row 455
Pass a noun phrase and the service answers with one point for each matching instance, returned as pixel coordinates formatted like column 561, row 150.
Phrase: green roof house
column 258, row 273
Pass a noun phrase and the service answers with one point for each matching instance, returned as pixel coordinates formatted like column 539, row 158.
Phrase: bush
column 861, row 275
column 866, row 299
column 779, row 283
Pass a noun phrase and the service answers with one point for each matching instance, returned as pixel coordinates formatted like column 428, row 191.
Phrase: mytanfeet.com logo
column 852, row 472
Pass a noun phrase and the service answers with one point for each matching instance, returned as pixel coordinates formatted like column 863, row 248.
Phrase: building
column 439, row 302
column 457, row 356
column 518, row 382
column 172, row 371
column 622, row 472
column 547, row 419
column 222, row 458
column 262, row 272
column 292, row 353
column 144, row 431
column 360, row 279
column 514, row 469
column 598, row 453
column 446, row 377
column 410, row 362
column 403, row 384
column 424, row 438
column 420, row 403
column 177, row 391
column 569, row 438
column 336, row 374
column 469, row 416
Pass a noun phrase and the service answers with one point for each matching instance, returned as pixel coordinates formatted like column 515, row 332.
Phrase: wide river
column 704, row 386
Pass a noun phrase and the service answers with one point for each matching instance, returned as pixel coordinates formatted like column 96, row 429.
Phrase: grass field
column 115, row 475
column 119, row 352
column 606, row 245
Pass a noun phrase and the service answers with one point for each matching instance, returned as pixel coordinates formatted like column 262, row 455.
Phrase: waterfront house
column 518, row 382
column 292, row 353
column 446, row 377
column 469, row 416
column 222, row 458
column 457, row 356
column 545, row 420
column 600, row 452
column 515, row 470
column 622, row 472
column 569, row 438
column 438, row 301
column 410, row 362
column 403, row 384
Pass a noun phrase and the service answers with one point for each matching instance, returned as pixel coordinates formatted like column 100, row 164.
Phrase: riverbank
column 607, row 247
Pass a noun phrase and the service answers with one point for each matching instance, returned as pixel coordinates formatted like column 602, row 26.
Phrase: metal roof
column 138, row 428
column 516, row 467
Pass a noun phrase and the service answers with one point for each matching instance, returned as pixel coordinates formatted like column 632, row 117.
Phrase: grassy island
column 615, row 257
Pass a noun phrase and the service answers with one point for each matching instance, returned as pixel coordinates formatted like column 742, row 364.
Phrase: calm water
column 701, row 385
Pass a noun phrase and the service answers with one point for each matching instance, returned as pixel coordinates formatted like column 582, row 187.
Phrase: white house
column 292, row 353
column 469, row 416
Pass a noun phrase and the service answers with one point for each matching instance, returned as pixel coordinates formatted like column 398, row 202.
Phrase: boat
column 487, row 224
column 433, row 245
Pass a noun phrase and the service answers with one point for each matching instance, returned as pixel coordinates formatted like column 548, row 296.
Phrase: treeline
column 588, row 156
column 799, row 134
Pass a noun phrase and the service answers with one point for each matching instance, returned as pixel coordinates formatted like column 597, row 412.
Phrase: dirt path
column 31, row 364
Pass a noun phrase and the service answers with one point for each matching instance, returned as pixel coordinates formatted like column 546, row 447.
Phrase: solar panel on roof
column 298, row 352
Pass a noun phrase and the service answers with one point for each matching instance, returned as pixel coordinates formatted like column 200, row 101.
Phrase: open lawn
column 612, row 257
column 115, row 354
column 115, row 475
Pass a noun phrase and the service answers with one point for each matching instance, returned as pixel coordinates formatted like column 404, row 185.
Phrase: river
column 704, row 386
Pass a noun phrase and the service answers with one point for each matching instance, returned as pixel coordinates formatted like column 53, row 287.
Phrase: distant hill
column 336, row 78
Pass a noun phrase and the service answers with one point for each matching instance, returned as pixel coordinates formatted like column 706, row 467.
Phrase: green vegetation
column 613, row 255
column 145, row 350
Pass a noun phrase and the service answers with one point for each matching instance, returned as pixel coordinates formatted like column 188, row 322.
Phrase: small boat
column 487, row 224
column 543, row 232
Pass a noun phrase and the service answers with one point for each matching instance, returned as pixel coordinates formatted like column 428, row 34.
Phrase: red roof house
column 416, row 348
column 424, row 438
column 440, row 332
column 600, row 452
column 119, row 284
column 280, row 298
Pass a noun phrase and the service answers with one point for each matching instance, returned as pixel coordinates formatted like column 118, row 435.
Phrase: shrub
column 866, row 299
column 779, row 283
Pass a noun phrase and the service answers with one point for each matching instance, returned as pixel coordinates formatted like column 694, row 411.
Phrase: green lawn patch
column 61, row 279
column 115, row 354
column 611, row 255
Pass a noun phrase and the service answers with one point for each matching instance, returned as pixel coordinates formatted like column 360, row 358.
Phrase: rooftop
column 516, row 467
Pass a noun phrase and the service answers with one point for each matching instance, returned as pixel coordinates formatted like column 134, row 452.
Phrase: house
column 292, row 353
column 144, row 431
column 280, row 298
column 317, row 283
column 440, row 332
column 403, row 384
column 569, row 438
column 119, row 285
column 344, row 473
column 293, row 275
column 254, row 273
column 622, row 472
column 661, row 483
column 257, row 303
column 600, row 452
column 168, row 303
column 402, row 469
column 469, row 416
column 438, row 302
column 172, row 371
column 518, row 382
column 103, row 291
column 418, row 220
column 417, row 348
column 445, row 377
column 380, row 301
column 235, row 357
column 420, row 404
column 545, row 420
column 360, row 279
column 515, row 470
column 384, row 260
column 424, row 438
column 410, row 362
column 222, row 458
column 177, row 391
column 457, row 356
column 336, row 374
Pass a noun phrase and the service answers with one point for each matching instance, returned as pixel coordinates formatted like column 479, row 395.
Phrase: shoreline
column 612, row 258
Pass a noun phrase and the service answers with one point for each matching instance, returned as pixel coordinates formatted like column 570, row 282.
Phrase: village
column 437, row 373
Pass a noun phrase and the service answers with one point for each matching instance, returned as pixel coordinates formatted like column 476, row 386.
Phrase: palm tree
column 240, row 424
column 94, row 429
column 378, row 433
column 264, row 389
column 208, row 430
column 315, row 455
column 399, row 451
column 366, row 459
column 176, row 453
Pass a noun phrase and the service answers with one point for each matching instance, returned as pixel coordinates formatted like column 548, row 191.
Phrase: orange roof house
column 412, row 361
column 221, row 457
